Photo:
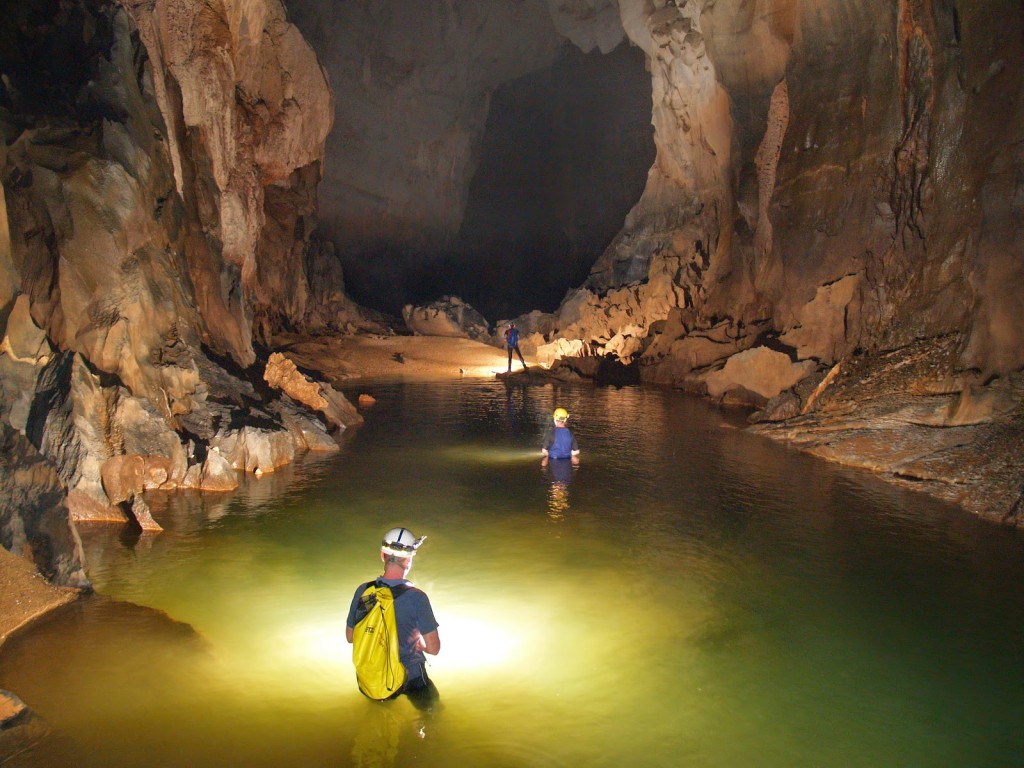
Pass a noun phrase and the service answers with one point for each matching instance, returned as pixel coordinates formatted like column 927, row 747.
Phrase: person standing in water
column 559, row 442
column 414, row 617
column 512, row 343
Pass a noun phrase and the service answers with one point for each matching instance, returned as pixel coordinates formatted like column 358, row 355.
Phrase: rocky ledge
column 959, row 438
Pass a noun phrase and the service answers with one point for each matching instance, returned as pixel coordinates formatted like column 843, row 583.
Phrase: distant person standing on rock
column 512, row 342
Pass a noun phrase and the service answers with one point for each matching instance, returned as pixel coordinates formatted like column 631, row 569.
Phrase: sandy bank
column 25, row 594
column 344, row 360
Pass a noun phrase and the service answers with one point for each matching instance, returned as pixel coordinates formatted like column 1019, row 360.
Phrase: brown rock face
column 157, row 170
column 844, row 173
column 34, row 520
column 158, row 173
column 832, row 179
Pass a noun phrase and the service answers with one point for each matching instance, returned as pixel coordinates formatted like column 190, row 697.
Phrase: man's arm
column 349, row 633
column 431, row 643
column 549, row 438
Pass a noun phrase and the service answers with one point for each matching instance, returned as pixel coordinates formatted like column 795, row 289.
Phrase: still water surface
column 690, row 595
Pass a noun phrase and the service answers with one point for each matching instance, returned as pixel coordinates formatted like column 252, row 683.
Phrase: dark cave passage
column 564, row 158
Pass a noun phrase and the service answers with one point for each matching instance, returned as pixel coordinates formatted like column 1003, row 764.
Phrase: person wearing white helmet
column 414, row 617
column 559, row 442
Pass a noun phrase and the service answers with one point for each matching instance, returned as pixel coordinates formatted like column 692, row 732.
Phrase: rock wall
column 34, row 519
column 833, row 180
column 839, row 177
column 158, row 167
column 413, row 83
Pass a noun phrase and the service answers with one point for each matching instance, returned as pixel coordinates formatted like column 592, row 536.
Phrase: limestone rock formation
column 281, row 373
column 448, row 316
column 892, row 413
column 158, row 174
column 34, row 519
column 831, row 181
column 832, row 228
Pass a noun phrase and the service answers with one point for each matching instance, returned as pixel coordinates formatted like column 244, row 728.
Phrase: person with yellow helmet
column 559, row 442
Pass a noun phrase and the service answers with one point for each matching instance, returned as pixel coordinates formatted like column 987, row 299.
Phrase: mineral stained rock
column 158, row 170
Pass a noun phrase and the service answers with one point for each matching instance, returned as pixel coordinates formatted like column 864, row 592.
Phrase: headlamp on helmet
column 401, row 542
column 561, row 414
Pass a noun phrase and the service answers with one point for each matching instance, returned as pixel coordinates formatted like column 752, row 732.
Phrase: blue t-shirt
column 412, row 612
column 512, row 336
column 560, row 443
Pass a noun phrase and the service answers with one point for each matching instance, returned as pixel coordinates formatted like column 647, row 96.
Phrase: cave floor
column 346, row 359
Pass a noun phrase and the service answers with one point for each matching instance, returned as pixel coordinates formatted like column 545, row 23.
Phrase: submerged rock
column 11, row 708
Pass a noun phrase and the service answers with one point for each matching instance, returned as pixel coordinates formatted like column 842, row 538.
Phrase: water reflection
column 560, row 472
column 706, row 598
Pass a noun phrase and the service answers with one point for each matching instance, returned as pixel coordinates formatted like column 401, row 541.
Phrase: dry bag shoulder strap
column 369, row 597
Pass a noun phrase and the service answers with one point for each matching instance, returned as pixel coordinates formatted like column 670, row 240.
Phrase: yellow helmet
column 561, row 414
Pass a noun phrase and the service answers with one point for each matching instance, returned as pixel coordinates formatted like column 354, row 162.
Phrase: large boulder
column 448, row 316
column 281, row 373
column 760, row 370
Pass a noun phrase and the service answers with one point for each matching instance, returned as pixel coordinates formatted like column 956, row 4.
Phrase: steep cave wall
column 154, row 149
column 840, row 177
column 413, row 81
column 415, row 85
column 158, row 168
column 837, row 189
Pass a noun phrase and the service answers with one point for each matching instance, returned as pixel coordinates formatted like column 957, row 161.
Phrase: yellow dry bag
column 375, row 642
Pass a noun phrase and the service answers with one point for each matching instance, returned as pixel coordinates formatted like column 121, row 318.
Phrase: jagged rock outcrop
column 34, row 519
column 320, row 397
column 891, row 413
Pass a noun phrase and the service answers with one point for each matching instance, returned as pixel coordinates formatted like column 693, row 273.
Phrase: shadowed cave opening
column 563, row 159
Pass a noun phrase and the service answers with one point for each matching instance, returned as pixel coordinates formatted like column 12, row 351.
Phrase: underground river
column 690, row 595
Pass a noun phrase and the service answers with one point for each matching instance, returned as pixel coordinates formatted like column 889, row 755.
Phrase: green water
column 690, row 595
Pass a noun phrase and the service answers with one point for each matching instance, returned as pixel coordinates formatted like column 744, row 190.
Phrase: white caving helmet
column 400, row 542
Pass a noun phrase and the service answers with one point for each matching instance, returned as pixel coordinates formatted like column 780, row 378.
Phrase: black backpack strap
column 396, row 591
column 366, row 602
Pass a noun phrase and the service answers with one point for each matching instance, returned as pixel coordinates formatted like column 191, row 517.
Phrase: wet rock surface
column 904, row 417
